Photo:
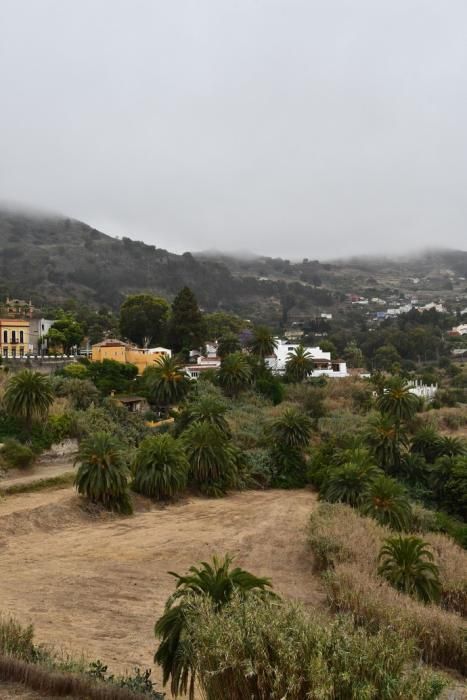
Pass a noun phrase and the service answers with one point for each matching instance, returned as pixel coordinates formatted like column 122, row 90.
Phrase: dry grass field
column 94, row 584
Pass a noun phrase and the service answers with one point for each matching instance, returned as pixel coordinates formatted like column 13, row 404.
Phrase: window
column 5, row 352
column 13, row 352
column 13, row 336
column 21, row 352
column 21, row 336
column 5, row 336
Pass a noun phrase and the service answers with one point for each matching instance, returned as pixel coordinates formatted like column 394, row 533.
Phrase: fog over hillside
column 293, row 129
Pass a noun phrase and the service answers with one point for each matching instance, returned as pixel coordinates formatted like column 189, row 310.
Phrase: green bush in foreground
column 17, row 455
column 218, row 582
column 268, row 650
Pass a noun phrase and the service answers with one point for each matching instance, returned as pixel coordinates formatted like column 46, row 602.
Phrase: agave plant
column 386, row 501
column 408, row 564
column 103, row 473
column 218, row 581
column 160, row 467
column 348, row 482
column 28, row 396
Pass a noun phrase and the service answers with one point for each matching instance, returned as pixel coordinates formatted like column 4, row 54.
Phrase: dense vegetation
column 390, row 471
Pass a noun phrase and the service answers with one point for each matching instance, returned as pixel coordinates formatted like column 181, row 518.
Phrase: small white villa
column 324, row 366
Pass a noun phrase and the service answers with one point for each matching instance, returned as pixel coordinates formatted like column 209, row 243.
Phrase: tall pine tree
column 187, row 329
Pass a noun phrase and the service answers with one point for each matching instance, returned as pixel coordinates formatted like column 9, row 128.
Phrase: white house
column 324, row 366
column 202, row 363
column 159, row 351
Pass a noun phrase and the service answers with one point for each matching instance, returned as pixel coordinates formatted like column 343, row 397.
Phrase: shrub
column 347, row 545
column 16, row 640
column 160, row 467
column 218, row 582
column 211, row 457
column 268, row 650
column 17, row 455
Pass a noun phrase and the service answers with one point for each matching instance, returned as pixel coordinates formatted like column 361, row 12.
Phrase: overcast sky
column 299, row 128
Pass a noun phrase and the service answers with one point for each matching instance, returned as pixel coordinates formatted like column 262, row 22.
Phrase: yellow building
column 119, row 351
column 14, row 337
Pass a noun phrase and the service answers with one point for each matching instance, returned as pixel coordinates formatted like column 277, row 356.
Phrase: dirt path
column 57, row 467
column 97, row 586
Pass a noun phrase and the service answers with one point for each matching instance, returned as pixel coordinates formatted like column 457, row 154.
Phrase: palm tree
column 235, row 373
column 407, row 563
column 28, row 396
column 292, row 429
column 348, row 482
column 166, row 382
column 161, row 467
column 209, row 409
column 217, row 581
column 386, row 438
column 210, row 456
column 228, row 344
column 427, row 442
column 398, row 401
column 262, row 343
column 103, row 473
column 386, row 501
column 299, row 364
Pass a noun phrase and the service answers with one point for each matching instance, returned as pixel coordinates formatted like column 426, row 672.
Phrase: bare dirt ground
column 96, row 584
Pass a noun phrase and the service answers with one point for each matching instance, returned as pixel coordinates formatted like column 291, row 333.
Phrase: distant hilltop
column 50, row 258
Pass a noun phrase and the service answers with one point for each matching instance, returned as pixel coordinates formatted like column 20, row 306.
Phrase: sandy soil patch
column 96, row 585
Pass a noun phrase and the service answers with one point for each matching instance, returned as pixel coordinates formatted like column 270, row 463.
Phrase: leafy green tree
column 103, row 473
column 353, row 355
column 386, row 357
column 299, row 364
column 166, row 381
column 348, row 482
column 110, row 375
column 82, row 393
column 228, row 344
column 216, row 580
column 386, row 500
column 143, row 319
column 211, row 457
column 187, row 330
column 398, row 401
column 28, row 396
column 160, row 467
column 407, row 563
column 262, row 343
column 235, row 373
column 65, row 333
column 220, row 324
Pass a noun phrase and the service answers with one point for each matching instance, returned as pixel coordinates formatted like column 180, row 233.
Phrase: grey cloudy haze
column 293, row 127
